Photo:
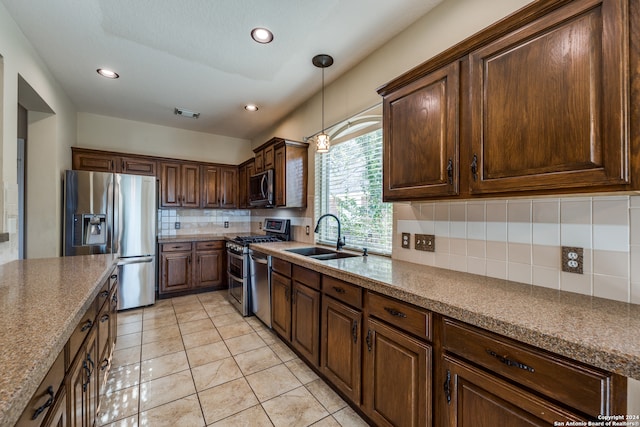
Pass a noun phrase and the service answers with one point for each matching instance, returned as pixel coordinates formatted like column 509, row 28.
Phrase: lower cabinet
column 191, row 266
column 305, row 322
column 83, row 384
column 58, row 414
column 281, row 305
column 396, row 377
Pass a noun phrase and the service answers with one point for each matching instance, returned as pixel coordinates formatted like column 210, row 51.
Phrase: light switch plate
column 426, row 242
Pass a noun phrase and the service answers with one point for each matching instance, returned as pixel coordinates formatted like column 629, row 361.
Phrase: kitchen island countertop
column 41, row 303
column 600, row 332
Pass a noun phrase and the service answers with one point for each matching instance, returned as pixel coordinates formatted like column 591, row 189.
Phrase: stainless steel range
column 239, row 261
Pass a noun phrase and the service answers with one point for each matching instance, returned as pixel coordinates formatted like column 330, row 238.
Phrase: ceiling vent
column 186, row 113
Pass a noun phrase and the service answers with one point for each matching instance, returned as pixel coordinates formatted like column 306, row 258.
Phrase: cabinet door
column 138, row 166
column 176, row 271
column 396, row 377
column 280, row 165
column 421, row 137
column 474, row 398
column 92, row 359
column 113, row 327
column 97, row 162
column 259, row 161
column 251, row 170
column 208, row 268
column 58, row 415
column 281, row 305
column 170, row 181
column 76, row 380
column 104, row 351
column 228, row 188
column 267, row 156
column 210, row 179
column 341, row 346
column 549, row 103
column 243, row 200
column 305, row 322
column 191, row 185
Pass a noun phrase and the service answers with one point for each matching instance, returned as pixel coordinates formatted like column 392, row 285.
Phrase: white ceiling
column 198, row 54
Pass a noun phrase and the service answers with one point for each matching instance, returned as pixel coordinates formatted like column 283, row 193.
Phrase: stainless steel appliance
column 260, row 268
column 261, row 191
column 239, row 262
column 115, row 213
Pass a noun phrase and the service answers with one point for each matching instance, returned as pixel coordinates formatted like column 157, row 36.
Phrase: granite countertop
column 193, row 238
column 41, row 303
column 596, row 331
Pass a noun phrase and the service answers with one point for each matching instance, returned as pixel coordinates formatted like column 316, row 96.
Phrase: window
column 349, row 185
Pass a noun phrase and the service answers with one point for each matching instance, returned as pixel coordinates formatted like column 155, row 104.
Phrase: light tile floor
column 194, row 361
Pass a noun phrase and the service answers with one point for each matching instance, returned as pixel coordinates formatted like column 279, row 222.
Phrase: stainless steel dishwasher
column 260, row 268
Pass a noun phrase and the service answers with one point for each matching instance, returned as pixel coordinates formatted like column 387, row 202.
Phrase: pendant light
column 322, row 139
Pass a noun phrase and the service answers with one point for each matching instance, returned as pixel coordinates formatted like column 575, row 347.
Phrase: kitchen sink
column 321, row 254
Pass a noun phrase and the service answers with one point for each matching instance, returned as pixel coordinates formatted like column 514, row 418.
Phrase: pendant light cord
column 323, row 100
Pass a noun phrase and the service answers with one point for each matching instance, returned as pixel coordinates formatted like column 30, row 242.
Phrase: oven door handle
column 236, row 256
column 259, row 260
column 235, row 278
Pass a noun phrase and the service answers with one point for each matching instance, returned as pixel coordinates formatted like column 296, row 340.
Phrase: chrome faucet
column 341, row 240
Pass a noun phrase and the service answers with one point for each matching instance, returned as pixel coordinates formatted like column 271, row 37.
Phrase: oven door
column 238, row 282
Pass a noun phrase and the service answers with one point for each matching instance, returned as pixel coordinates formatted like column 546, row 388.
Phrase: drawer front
column 43, row 398
column 175, row 247
column 406, row 317
column 280, row 266
column 113, row 279
column 209, row 245
column 581, row 387
column 82, row 331
column 103, row 294
column 342, row 291
column 305, row 276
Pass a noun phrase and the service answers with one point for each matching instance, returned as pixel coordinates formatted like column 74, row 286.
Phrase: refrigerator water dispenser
column 90, row 229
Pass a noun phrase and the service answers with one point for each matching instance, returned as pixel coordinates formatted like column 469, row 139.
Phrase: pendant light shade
column 322, row 139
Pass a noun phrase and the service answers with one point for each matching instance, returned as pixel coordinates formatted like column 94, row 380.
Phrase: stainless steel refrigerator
column 115, row 213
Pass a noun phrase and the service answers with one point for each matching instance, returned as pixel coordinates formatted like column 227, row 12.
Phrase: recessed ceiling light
column 251, row 107
column 262, row 35
column 107, row 73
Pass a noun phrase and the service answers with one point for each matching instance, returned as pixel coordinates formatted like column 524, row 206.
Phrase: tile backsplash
column 203, row 221
column 521, row 240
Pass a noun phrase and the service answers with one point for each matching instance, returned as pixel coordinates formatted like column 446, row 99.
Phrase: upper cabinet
column 180, row 185
column 219, row 187
column 289, row 160
column 245, row 170
column 106, row 161
column 538, row 103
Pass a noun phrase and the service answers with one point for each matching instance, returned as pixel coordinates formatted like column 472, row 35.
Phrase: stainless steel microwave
column 261, row 189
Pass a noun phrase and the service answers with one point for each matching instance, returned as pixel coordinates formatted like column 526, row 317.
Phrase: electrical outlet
column 406, row 240
column 572, row 259
column 260, row 226
column 425, row 242
column 226, row 224
column 177, row 225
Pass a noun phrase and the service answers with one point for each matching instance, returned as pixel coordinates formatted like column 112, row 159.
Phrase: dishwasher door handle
column 260, row 260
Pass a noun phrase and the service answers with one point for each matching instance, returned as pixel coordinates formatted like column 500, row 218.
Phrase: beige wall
column 52, row 156
column 109, row 133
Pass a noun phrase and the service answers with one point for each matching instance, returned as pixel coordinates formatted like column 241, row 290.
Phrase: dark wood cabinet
column 341, row 346
column 58, row 416
column 548, row 102
column 179, row 185
column 396, row 377
column 421, row 137
column 106, row 161
column 82, row 389
column 245, row 170
column 39, row 408
column 281, row 305
column 219, row 187
column 289, row 160
column 138, row 165
column 475, row 398
column 189, row 266
column 538, row 103
column 305, row 321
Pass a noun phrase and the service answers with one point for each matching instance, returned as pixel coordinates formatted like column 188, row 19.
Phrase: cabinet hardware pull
column 104, row 294
column 113, row 277
column 104, row 318
column 45, row 405
column 104, row 364
column 175, row 247
column 447, row 387
column 114, row 299
column 339, row 290
column 369, row 340
column 189, row 258
column 395, row 312
column 354, row 331
column 93, row 365
column 474, row 167
column 86, row 368
column 450, row 171
column 509, row 362
column 86, row 326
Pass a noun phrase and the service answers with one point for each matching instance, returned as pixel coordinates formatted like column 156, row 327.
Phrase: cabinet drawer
column 175, row 247
column 209, row 245
column 581, row 387
column 342, row 291
column 306, row 277
column 280, row 266
column 82, row 330
column 43, row 398
column 113, row 279
column 404, row 316
column 103, row 294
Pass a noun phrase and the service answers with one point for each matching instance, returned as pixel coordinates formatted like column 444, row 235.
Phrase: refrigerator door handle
column 137, row 260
